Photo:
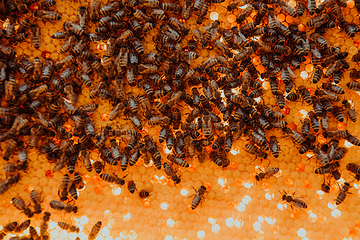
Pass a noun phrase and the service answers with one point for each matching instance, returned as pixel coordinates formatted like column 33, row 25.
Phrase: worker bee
column 350, row 110
column 23, row 226
column 35, row 198
column 67, row 226
column 63, row 188
column 293, row 201
column 35, row 36
column 10, row 227
column 199, row 197
column 143, row 193
column 254, row 150
column 178, row 160
column 20, row 204
column 95, row 230
column 112, row 179
column 328, row 168
column 274, row 146
column 47, row 15
column 131, row 186
column 342, row 193
column 267, row 173
column 287, row 8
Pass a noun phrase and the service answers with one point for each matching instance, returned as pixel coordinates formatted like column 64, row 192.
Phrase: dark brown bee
column 199, row 197
column 20, row 204
column 94, row 10
column 338, row 113
column 47, row 15
column 67, row 226
column 112, row 179
column 305, row 94
column 274, row 146
column 342, row 193
column 63, row 188
column 328, row 168
column 73, row 192
column 75, row 28
column 267, row 173
column 315, row 125
column 254, row 150
column 95, row 230
column 350, row 110
column 321, row 156
column 293, row 201
column 10, row 227
column 287, row 8
column 143, row 193
column 23, row 226
column 35, row 198
column 131, row 186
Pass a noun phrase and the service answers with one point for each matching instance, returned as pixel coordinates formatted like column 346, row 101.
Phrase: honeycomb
column 235, row 205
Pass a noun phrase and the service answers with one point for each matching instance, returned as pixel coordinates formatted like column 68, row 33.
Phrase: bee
column 67, row 226
column 47, row 15
column 73, row 192
column 131, row 187
column 178, row 160
column 350, row 110
column 342, row 193
column 293, row 201
column 112, row 179
column 321, row 156
column 339, row 64
column 287, row 8
column 115, row 112
column 20, row 204
column 295, row 136
column 78, row 181
column 10, row 148
column 328, row 168
column 254, row 150
column 35, row 198
column 353, row 140
column 300, row 8
column 75, row 28
column 95, row 230
column 23, row 226
column 267, row 173
column 143, row 193
column 274, row 146
column 23, row 26
column 199, row 197
column 171, row 173
column 94, row 11
column 10, row 227
column 315, row 125
column 63, row 188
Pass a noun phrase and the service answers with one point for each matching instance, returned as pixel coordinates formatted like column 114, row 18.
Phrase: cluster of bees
column 15, row 227
column 228, row 82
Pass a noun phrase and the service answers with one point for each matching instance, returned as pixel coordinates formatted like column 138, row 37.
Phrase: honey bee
column 35, row 198
column 20, row 204
column 171, row 173
column 350, row 110
column 287, row 8
column 295, row 202
column 342, row 193
column 274, row 146
column 267, row 173
column 67, row 226
column 23, row 226
column 10, row 227
column 328, row 168
column 47, row 15
column 199, row 197
column 95, row 230
column 254, row 150
column 112, row 179
column 143, row 193
column 131, row 187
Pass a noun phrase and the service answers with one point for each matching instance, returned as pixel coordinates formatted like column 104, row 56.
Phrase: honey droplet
column 49, row 174
column 46, row 54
